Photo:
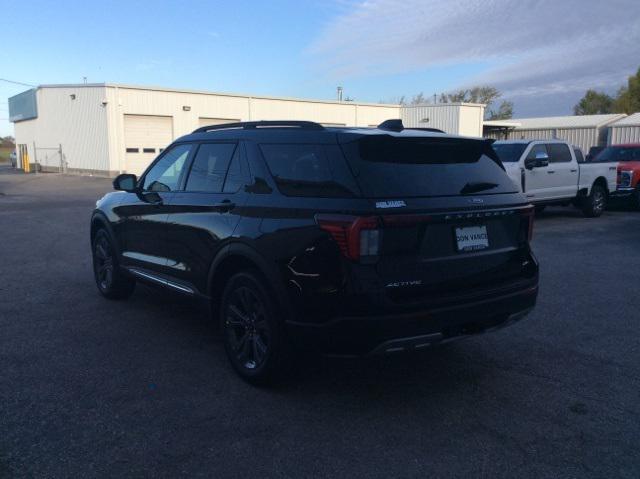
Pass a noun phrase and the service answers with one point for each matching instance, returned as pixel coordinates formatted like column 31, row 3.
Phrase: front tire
column 110, row 280
column 594, row 204
column 252, row 333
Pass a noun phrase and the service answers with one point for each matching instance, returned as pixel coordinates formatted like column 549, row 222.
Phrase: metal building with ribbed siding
column 106, row 129
column 456, row 118
column 626, row 130
column 584, row 131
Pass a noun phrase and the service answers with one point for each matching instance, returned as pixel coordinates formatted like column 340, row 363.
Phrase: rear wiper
column 475, row 187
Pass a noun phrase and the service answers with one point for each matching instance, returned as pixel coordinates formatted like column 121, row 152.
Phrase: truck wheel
column 110, row 280
column 595, row 203
column 636, row 198
column 252, row 332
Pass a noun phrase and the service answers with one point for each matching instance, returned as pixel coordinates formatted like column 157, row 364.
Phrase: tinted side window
column 559, row 153
column 165, row 175
column 536, row 150
column 238, row 174
column 210, row 167
column 309, row 170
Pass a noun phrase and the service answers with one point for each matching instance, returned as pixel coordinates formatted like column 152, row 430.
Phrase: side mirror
column 541, row 160
column 125, row 182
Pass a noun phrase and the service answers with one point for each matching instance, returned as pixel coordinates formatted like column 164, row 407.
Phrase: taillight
column 356, row 236
column 528, row 214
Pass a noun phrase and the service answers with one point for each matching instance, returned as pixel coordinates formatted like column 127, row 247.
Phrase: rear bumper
column 383, row 334
column 623, row 192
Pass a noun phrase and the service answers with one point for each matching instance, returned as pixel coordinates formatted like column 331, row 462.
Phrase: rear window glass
column 385, row 166
column 619, row 153
column 309, row 170
column 509, row 152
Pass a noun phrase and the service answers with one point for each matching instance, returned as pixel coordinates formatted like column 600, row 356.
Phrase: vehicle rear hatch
column 450, row 221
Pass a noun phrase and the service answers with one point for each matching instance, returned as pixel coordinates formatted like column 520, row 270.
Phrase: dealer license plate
column 472, row 238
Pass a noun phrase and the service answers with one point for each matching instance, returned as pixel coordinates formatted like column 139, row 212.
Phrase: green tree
column 594, row 103
column 628, row 98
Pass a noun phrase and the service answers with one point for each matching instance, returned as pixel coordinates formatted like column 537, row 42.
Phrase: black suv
column 352, row 241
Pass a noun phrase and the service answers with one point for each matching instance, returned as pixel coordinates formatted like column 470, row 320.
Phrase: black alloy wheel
column 103, row 263
column 252, row 334
column 110, row 281
column 247, row 328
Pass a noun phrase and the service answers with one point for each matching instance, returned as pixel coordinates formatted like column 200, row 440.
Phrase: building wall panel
column 190, row 110
column 432, row 116
column 457, row 119
column 79, row 125
column 585, row 138
column 619, row 135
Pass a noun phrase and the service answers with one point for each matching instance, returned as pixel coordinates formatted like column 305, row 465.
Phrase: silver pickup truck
column 548, row 172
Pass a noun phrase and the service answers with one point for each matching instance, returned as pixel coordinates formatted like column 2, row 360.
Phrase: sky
column 542, row 54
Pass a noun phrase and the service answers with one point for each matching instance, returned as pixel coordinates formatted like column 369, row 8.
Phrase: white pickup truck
column 548, row 172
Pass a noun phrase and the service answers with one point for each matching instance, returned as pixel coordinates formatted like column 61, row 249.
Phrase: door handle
column 574, row 171
column 224, row 206
column 550, row 171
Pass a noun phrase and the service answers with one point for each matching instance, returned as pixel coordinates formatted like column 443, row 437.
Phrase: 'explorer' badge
column 391, row 204
column 476, row 201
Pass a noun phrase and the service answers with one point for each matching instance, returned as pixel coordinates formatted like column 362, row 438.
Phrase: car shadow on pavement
column 441, row 367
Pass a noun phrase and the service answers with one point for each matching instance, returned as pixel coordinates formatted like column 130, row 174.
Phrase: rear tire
column 252, row 332
column 110, row 280
column 594, row 204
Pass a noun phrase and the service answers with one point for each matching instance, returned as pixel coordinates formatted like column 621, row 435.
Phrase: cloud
column 537, row 48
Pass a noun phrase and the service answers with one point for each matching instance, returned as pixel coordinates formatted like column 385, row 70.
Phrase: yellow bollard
column 25, row 162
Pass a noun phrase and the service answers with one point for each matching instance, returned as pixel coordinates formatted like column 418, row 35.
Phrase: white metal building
column 584, row 131
column 105, row 129
column 626, row 130
column 457, row 118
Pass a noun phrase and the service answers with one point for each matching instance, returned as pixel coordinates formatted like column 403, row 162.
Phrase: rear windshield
column 619, row 153
column 509, row 152
column 386, row 166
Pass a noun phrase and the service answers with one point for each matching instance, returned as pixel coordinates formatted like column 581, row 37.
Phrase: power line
column 16, row 82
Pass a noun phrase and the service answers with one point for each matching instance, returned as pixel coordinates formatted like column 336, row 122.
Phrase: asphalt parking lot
column 94, row 388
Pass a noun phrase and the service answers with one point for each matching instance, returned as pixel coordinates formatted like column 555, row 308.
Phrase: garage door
column 216, row 121
column 144, row 138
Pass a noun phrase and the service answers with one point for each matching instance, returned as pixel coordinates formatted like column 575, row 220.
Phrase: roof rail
column 396, row 125
column 251, row 125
